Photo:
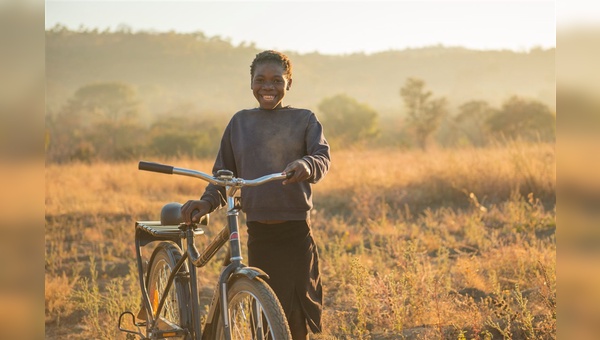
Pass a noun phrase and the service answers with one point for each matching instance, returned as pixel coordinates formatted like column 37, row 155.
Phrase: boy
column 265, row 140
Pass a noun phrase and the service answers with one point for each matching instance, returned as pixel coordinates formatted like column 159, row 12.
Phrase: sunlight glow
column 332, row 27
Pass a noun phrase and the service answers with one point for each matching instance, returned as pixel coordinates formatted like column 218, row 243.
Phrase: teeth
column 268, row 97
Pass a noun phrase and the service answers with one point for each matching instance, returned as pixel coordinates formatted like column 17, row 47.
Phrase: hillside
column 170, row 69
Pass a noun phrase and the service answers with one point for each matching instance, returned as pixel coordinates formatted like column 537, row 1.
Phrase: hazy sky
column 329, row 27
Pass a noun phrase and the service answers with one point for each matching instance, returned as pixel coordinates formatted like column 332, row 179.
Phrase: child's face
column 269, row 85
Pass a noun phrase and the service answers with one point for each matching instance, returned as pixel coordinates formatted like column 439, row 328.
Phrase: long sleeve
column 225, row 161
column 317, row 149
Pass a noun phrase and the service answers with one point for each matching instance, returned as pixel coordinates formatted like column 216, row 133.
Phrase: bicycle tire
column 242, row 294
column 176, row 309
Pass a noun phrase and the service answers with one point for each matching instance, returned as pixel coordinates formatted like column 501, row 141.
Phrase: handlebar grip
column 289, row 174
column 155, row 167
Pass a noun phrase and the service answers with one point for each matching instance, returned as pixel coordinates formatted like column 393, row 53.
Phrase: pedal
column 131, row 333
column 167, row 329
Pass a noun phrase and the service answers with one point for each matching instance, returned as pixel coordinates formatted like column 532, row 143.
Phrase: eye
column 259, row 81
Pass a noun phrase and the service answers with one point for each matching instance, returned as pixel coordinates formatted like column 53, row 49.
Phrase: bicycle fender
column 250, row 272
column 228, row 275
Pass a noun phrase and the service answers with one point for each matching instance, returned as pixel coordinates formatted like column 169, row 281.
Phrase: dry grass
column 454, row 244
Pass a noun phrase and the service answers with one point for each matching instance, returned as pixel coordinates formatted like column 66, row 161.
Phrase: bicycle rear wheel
column 176, row 313
column 254, row 312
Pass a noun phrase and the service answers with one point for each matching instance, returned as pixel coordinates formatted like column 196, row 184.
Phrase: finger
column 287, row 180
column 195, row 215
column 185, row 212
column 289, row 174
column 185, row 207
column 295, row 177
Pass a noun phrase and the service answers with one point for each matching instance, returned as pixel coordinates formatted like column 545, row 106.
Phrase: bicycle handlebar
column 234, row 182
column 156, row 167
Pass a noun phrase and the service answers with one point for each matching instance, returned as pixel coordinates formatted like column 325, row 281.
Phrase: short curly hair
column 275, row 57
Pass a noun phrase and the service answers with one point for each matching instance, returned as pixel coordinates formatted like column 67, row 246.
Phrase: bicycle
column 243, row 304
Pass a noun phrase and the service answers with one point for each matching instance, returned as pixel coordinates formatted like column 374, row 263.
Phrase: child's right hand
column 193, row 210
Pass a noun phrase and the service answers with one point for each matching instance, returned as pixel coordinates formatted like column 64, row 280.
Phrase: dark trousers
column 288, row 254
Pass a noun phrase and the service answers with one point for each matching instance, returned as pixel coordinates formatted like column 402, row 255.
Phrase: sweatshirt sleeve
column 317, row 149
column 225, row 161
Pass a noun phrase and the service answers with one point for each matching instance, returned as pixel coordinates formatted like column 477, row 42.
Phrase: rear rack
column 149, row 231
column 154, row 228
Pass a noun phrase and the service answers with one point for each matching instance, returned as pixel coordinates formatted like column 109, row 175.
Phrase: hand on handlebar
column 193, row 210
column 300, row 170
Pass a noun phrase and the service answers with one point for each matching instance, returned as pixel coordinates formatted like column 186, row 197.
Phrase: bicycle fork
column 234, row 269
column 220, row 300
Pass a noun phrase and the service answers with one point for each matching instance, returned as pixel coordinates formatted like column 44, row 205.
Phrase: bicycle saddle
column 171, row 214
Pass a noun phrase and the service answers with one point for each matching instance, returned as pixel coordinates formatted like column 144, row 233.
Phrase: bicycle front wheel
column 254, row 312
column 175, row 314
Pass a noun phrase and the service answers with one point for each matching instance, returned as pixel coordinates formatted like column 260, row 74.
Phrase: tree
column 347, row 121
column 112, row 101
column 523, row 118
column 98, row 121
column 185, row 131
column 471, row 120
column 425, row 113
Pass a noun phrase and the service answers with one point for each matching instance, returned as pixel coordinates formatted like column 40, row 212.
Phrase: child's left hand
column 301, row 171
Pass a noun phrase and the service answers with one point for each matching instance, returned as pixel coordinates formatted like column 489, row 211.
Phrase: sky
column 329, row 27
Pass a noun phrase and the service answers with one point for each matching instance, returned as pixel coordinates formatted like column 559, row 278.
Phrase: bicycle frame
column 151, row 231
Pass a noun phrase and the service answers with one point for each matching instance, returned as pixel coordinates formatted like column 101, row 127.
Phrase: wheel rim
column 248, row 319
column 170, row 311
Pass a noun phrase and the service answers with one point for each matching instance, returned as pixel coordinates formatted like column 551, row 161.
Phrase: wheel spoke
column 259, row 322
column 174, row 314
column 254, row 312
column 169, row 311
column 248, row 320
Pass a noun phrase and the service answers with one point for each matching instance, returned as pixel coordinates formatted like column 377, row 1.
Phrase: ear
column 289, row 84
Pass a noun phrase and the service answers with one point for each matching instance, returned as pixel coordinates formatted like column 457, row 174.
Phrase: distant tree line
column 213, row 74
column 102, row 121
column 428, row 120
column 120, row 94
column 476, row 122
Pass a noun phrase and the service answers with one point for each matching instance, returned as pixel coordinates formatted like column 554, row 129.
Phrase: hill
column 172, row 69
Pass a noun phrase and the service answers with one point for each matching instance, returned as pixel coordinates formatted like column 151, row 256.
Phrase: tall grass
column 451, row 244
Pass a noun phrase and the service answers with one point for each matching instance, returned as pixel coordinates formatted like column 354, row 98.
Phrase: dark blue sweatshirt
column 259, row 142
